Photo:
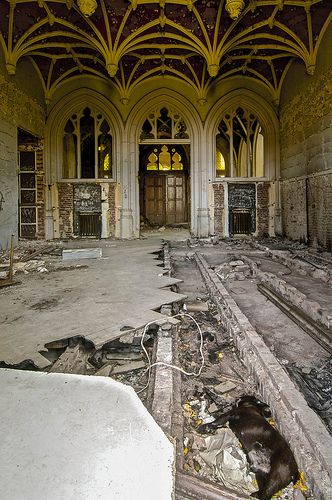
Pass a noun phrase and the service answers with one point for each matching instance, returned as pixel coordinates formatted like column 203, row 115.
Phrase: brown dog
column 267, row 451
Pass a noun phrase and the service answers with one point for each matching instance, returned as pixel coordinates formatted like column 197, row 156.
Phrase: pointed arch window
column 164, row 124
column 87, row 146
column 240, row 145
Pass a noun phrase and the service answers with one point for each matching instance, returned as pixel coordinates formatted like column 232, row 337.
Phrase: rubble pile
column 233, row 270
column 122, row 359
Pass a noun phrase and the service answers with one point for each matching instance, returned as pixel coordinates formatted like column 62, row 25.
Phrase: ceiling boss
column 87, row 7
column 234, row 8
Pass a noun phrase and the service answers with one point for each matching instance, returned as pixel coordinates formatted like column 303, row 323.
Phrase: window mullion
column 96, row 147
column 79, row 166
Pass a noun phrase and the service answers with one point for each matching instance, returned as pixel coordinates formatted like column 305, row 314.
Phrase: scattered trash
column 228, row 461
column 196, row 306
column 315, row 383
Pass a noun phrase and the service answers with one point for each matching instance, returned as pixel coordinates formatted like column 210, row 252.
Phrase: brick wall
column 308, row 202
column 219, row 209
column 263, row 209
column 66, row 204
column 111, row 209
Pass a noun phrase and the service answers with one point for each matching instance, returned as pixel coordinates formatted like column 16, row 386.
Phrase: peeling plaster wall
column 8, row 183
column 22, row 108
column 306, row 150
column 306, row 128
column 21, row 98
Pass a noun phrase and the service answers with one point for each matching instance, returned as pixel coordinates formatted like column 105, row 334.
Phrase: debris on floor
column 316, row 385
column 229, row 463
column 121, row 359
column 233, row 270
column 81, row 253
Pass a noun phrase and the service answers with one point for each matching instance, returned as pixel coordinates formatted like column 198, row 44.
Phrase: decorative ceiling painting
column 130, row 41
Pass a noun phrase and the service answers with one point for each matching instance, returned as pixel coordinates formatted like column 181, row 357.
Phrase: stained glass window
column 164, row 160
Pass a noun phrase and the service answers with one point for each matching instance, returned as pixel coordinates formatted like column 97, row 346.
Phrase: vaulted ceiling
column 130, row 41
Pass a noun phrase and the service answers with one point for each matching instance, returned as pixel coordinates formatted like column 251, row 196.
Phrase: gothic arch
column 266, row 116
column 58, row 117
column 55, row 124
column 162, row 98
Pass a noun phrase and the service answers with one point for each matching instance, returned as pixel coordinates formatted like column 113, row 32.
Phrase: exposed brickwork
column 66, row 202
column 263, row 209
column 308, row 200
column 40, row 195
column 219, row 209
column 111, row 209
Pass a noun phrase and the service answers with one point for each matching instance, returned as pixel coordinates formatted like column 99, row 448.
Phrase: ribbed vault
column 132, row 41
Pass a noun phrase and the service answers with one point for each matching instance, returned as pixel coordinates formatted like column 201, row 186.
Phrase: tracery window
column 240, row 145
column 164, row 124
column 87, row 146
column 164, row 159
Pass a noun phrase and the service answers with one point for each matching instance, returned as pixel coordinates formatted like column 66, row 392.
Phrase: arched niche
column 57, row 121
column 177, row 106
column 264, row 179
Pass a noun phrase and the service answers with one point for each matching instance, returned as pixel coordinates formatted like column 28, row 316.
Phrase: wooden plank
column 74, row 360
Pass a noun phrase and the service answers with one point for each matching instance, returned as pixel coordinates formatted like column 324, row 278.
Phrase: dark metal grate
column 90, row 224
column 241, row 222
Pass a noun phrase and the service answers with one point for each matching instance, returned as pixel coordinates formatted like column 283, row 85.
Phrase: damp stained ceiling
column 130, row 41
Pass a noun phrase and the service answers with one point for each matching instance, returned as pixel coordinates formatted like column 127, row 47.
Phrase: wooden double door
column 165, row 198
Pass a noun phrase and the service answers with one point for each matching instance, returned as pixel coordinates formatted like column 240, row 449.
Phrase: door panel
column 165, row 199
column 176, row 199
column 155, row 199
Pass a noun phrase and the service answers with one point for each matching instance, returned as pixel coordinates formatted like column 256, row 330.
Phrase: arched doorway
column 164, row 160
column 164, row 187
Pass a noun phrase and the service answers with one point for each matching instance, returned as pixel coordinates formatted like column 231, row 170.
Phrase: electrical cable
column 168, row 365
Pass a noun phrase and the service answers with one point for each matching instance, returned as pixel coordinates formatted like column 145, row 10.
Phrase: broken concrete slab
column 81, row 253
column 105, row 371
column 94, row 303
column 73, row 436
column 224, row 387
column 128, row 367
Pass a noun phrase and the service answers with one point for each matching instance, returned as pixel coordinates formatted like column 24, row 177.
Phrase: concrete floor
column 122, row 290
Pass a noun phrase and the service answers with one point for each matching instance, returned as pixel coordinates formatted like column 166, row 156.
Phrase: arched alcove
column 246, row 194
column 184, row 112
column 66, row 215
